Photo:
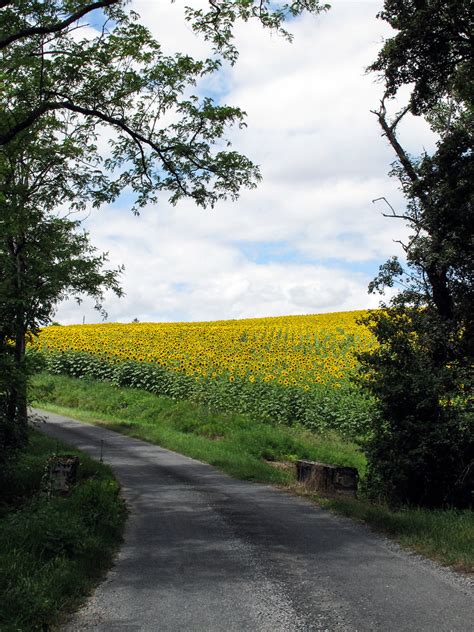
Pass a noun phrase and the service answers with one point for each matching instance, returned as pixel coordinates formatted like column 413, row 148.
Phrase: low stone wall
column 328, row 479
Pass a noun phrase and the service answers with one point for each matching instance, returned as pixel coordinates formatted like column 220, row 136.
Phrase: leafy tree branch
column 54, row 27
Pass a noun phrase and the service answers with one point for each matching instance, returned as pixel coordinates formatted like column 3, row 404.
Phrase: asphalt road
column 206, row 553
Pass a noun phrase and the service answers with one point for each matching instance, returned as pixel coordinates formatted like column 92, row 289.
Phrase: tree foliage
column 431, row 51
column 120, row 78
column 421, row 449
column 44, row 257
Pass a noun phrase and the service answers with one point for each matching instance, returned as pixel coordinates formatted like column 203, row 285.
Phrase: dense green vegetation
column 53, row 550
column 236, row 443
column 253, row 450
column 322, row 407
column 421, row 446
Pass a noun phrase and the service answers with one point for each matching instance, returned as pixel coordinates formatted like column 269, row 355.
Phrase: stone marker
column 62, row 473
column 328, row 479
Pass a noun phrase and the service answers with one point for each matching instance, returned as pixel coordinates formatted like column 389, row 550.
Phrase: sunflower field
column 283, row 369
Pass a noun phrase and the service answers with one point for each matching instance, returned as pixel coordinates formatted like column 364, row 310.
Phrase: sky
column 309, row 239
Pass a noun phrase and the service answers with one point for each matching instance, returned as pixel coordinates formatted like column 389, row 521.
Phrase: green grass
column 245, row 449
column 53, row 551
column 232, row 442
column 446, row 535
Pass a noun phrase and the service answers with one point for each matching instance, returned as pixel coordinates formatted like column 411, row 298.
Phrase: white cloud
column 323, row 161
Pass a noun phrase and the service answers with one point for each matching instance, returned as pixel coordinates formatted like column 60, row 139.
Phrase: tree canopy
column 431, row 51
column 44, row 256
column 120, row 78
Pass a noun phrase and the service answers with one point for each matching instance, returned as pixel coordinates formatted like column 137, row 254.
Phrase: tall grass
column 53, row 550
column 236, row 443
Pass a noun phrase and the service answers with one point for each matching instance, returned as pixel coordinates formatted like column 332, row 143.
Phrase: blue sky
column 308, row 239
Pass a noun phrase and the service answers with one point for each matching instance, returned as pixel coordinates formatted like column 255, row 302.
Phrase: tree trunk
column 440, row 290
column 20, row 347
column 17, row 408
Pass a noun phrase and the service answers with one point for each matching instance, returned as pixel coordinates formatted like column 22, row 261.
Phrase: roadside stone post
column 330, row 480
column 61, row 473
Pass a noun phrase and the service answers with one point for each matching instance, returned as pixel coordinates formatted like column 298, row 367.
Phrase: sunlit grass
column 235, row 443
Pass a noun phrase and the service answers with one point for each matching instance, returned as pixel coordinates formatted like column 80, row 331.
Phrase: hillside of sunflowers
column 281, row 369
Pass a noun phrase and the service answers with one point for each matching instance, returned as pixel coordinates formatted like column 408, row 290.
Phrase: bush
column 420, row 450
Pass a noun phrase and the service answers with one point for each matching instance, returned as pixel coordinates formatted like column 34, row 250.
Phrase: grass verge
column 443, row 535
column 53, row 551
column 246, row 449
column 234, row 443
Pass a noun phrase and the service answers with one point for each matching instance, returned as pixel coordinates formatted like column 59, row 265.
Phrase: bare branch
column 408, row 218
column 397, row 120
column 404, row 246
column 386, row 202
column 389, row 132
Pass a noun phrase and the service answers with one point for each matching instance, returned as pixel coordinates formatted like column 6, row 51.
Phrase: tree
column 60, row 88
column 43, row 257
column 421, row 449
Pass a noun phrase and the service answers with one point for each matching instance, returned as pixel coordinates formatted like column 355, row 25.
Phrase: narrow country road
column 206, row 553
